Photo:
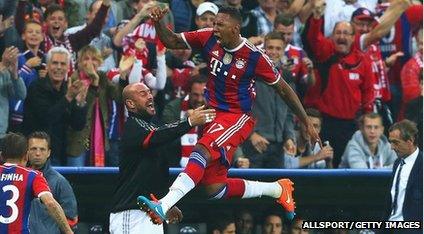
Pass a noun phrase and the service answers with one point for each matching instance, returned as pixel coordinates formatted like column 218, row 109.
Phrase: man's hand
column 318, row 8
column 125, row 66
column 5, row 24
column 174, row 215
column 199, row 116
column 308, row 63
column 9, row 55
column 90, row 70
column 10, row 60
column 106, row 2
column 256, row 40
column 325, row 153
column 158, row 11
column 393, row 57
column 33, row 62
column 243, row 163
column 145, row 11
column 259, row 142
column 81, row 96
column 313, row 134
column 42, row 73
column 73, row 89
column 290, row 147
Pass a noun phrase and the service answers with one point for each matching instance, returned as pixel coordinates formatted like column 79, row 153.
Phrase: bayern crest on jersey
column 240, row 63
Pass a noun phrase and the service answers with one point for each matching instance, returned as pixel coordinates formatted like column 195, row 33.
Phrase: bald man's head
column 139, row 99
column 343, row 37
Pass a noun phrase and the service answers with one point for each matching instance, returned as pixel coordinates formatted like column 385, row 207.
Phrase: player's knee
column 204, row 152
column 216, row 191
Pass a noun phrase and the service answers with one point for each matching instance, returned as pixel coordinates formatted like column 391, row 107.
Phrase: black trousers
column 338, row 132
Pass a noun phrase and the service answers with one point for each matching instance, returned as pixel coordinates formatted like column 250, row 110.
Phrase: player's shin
column 185, row 181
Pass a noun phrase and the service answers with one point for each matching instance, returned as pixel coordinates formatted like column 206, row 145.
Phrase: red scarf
column 382, row 87
column 97, row 142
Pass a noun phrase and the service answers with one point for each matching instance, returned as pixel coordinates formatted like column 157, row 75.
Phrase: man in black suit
column 406, row 200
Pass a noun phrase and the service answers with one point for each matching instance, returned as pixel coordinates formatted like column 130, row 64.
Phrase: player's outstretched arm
column 170, row 39
column 289, row 96
column 56, row 212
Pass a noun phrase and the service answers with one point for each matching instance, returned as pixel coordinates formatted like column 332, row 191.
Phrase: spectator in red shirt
column 346, row 80
column 410, row 75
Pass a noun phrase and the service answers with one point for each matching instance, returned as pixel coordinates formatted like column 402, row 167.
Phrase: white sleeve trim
column 44, row 192
column 185, row 40
column 275, row 82
column 361, row 42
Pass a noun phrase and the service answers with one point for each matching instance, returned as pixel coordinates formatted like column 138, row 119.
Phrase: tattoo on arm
column 56, row 212
column 169, row 38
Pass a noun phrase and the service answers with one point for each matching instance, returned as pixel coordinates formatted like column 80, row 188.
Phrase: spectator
column 274, row 129
column 294, row 58
column 406, row 189
column 11, row 85
column 308, row 154
column 346, row 81
column 367, row 39
column 222, row 224
column 39, row 159
column 205, row 15
column 411, row 75
column 19, row 193
column 368, row 148
column 31, row 66
column 8, row 34
column 179, row 109
column 102, row 42
column 90, row 143
column 265, row 15
column 54, row 106
column 143, row 48
column 140, row 160
column 245, row 222
column 296, row 227
column 341, row 10
column 272, row 224
column 57, row 24
column 184, row 12
column 293, row 9
column 398, row 42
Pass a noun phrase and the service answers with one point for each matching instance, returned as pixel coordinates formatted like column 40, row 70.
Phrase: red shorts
column 221, row 138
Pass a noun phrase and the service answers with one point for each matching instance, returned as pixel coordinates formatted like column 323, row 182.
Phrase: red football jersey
column 18, row 186
column 230, row 86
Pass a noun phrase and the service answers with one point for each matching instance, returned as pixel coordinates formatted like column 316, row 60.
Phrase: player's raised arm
column 56, row 212
column 292, row 100
column 170, row 39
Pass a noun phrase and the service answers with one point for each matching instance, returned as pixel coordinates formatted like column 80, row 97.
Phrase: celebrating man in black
column 142, row 169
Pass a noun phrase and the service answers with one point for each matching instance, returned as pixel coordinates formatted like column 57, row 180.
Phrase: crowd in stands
column 355, row 64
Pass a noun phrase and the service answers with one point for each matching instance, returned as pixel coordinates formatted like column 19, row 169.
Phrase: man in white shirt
column 406, row 194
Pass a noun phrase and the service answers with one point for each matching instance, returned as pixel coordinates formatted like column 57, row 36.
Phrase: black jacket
column 46, row 109
column 413, row 202
column 142, row 168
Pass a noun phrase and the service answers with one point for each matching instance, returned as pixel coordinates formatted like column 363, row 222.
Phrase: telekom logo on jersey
column 216, row 65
